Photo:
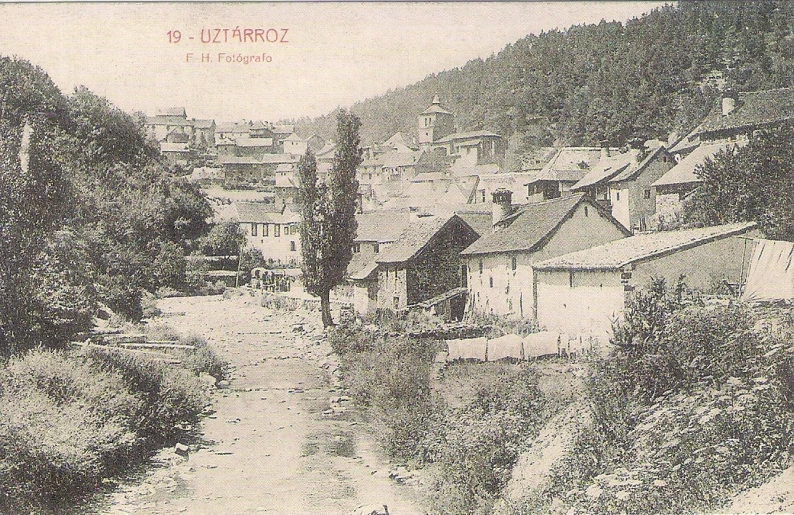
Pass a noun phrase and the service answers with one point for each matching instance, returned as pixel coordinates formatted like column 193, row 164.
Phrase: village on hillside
column 444, row 227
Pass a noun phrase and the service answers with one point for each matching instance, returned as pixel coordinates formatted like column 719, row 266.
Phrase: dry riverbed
column 282, row 437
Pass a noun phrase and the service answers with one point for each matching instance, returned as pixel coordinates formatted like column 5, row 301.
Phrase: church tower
column 434, row 123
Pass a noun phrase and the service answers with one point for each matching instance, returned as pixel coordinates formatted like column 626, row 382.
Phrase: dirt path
column 273, row 445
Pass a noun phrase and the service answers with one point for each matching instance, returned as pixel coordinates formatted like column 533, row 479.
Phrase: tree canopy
column 328, row 221
column 754, row 183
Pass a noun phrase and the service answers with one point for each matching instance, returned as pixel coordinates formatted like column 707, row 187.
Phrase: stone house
column 622, row 182
column 568, row 166
column 581, row 293
column 680, row 181
column 423, row 262
column 499, row 266
column 294, row 144
column 272, row 228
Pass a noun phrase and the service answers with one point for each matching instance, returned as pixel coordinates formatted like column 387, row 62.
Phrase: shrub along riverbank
column 692, row 406
column 68, row 420
column 468, row 447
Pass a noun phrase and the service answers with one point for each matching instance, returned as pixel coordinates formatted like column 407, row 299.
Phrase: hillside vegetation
column 607, row 82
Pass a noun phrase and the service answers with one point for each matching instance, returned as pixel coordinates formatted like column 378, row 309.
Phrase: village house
column 423, row 262
column 315, row 142
column 375, row 232
column 498, row 266
column 622, row 182
column 581, row 293
column 730, row 125
column 198, row 133
column 294, row 144
column 680, row 181
column 280, row 133
column 568, row 166
column 738, row 117
column 272, row 228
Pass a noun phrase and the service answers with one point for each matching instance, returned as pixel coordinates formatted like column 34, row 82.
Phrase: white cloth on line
column 771, row 273
column 507, row 346
column 469, row 348
column 541, row 344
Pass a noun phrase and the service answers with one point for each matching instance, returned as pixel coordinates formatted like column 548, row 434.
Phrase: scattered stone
column 181, row 449
column 223, row 384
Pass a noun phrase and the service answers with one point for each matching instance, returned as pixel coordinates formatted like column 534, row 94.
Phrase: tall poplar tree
column 328, row 214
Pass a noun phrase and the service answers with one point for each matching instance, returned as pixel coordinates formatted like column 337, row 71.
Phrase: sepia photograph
column 397, row 258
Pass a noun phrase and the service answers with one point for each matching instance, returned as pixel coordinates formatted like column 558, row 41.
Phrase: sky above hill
column 330, row 54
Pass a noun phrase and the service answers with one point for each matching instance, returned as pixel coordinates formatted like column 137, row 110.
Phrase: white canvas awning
column 771, row 274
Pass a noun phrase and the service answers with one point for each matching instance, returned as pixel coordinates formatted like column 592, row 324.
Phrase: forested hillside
column 88, row 212
column 607, row 82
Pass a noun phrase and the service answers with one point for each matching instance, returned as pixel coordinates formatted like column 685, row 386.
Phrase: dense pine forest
column 600, row 83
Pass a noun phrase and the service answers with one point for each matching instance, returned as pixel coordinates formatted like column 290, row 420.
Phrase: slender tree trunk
column 325, row 307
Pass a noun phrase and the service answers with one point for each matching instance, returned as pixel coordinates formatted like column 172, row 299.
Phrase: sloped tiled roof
column 636, row 167
column 293, row 137
column 480, row 221
column 361, row 266
column 435, row 107
column 283, row 129
column 753, row 109
column 278, row 158
column 568, row 164
column 398, row 141
column 238, row 160
column 203, row 124
column 396, row 159
column 619, row 253
column 174, row 111
column 284, row 167
column 684, row 171
column 467, row 135
column 381, row 226
column 413, row 239
column 531, row 226
column 260, row 212
column 257, row 125
column 284, row 182
column 168, row 120
column 607, row 168
column 254, row 142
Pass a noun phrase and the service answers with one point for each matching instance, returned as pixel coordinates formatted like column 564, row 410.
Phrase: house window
column 286, row 230
column 276, row 230
column 264, row 229
column 376, row 248
column 646, row 194
column 481, row 266
column 617, row 196
column 490, row 282
column 292, row 247
column 570, row 279
column 514, row 262
column 356, row 247
column 253, row 229
column 585, row 211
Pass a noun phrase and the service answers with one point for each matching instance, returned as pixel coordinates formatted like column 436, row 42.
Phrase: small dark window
column 570, row 279
column 356, row 247
column 617, row 196
column 514, row 262
column 276, row 230
column 481, row 266
column 585, row 211
column 647, row 194
column 490, row 282
column 292, row 247
column 264, row 229
column 253, row 229
column 376, row 248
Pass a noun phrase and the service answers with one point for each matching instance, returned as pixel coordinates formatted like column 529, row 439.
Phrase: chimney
column 728, row 102
column 604, row 150
column 502, row 205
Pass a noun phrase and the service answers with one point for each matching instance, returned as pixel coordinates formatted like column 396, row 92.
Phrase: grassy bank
column 466, row 439
column 68, row 420
column 694, row 406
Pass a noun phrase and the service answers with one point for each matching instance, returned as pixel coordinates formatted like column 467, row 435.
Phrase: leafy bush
column 203, row 360
column 694, row 405
column 171, row 395
column 483, row 440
